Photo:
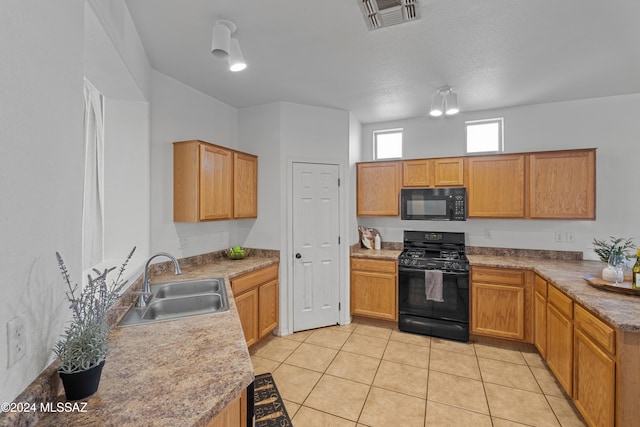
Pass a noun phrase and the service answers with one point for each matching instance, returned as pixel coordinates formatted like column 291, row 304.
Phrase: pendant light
column 225, row 47
column 444, row 101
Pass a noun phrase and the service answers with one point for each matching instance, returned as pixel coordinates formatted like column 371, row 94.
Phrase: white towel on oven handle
column 433, row 285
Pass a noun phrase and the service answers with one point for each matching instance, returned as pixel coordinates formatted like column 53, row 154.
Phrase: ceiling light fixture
column 225, row 47
column 236, row 60
column 444, row 101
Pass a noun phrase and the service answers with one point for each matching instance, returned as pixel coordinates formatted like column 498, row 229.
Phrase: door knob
column 298, row 255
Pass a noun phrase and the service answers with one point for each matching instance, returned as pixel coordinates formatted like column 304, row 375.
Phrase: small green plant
column 603, row 248
column 84, row 342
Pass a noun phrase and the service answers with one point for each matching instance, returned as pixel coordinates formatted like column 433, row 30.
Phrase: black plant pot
column 79, row 385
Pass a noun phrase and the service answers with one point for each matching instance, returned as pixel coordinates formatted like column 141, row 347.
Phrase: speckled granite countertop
column 387, row 252
column 622, row 311
column 176, row 373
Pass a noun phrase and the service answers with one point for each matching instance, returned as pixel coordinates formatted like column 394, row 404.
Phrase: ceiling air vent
column 383, row 13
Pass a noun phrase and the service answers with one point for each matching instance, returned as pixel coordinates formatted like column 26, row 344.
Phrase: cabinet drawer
column 377, row 265
column 541, row 286
column 599, row 331
column 497, row 275
column 560, row 301
column 250, row 280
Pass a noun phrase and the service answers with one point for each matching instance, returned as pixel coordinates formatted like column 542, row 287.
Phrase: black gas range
column 434, row 250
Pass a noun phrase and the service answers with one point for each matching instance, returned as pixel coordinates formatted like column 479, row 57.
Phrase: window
column 485, row 136
column 387, row 144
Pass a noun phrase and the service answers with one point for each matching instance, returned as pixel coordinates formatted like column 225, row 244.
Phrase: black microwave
column 434, row 204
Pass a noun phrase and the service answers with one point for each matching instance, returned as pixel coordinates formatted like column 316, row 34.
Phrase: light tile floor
column 369, row 373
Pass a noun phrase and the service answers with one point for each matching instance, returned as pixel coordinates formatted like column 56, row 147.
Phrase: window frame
column 498, row 120
column 387, row 132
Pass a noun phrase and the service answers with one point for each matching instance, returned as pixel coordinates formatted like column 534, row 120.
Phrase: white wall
column 281, row 133
column 355, row 154
column 609, row 124
column 179, row 113
column 41, row 113
column 126, row 198
column 319, row 135
column 259, row 134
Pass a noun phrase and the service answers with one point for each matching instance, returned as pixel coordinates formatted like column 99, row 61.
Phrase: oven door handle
column 420, row 270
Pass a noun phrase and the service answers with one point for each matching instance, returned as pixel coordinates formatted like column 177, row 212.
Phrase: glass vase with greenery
column 604, row 248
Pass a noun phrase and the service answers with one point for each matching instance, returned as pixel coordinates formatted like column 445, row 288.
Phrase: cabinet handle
column 298, row 255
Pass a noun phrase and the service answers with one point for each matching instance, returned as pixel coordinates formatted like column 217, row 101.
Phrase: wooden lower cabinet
column 257, row 300
column 594, row 362
column 247, row 306
column 234, row 415
column 374, row 288
column 540, row 315
column 560, row 337
column 594, row 382
column 594, row 370
column 500, row 299
column 268, row 307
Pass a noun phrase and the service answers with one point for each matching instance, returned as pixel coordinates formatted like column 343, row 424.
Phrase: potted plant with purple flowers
column 83, row 347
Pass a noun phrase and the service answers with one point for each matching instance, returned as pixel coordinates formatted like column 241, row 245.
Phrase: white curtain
column 92, row 207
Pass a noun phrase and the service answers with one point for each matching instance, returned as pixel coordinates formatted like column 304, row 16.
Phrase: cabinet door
column 540, row 315
column 268, row 307
column 562, row 185
column 498, row 310
column 496, row 186
column 560, row 346
column 378, row 188
column 448, row 172
column 186, row 172
column 247, row 306
column 374, row 294
column 234, row 415
column 245, row 185
column 216, row 166
column 593, row 382
column 416, row 173
column 540, row 323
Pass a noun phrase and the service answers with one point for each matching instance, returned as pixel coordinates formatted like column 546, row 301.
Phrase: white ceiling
column 494, row 53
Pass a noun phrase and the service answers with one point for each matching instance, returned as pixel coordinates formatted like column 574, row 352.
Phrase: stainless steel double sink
column 176, row 300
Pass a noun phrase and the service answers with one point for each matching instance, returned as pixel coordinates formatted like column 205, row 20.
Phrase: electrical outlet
column 559, row 237
column 488, row 234
column 569, row 237
column 183, row 243
column 17, row 339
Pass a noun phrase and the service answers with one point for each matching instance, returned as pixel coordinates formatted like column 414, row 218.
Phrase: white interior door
column 316, row 228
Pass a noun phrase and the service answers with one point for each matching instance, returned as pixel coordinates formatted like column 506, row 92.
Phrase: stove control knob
column 414, row 262
column 455, row 266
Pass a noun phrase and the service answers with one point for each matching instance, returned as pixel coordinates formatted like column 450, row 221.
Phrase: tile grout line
column 373, row 380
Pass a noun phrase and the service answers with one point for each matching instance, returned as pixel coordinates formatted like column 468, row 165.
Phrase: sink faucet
column 146, row 285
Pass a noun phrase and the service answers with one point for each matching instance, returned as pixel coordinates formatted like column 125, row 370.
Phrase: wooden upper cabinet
column 216, row 196
column 448, row 172
column 212, row 182
column 562, row 184
column 417, row 173
column 495, row 186
column 245, row 185
column 378, row 188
